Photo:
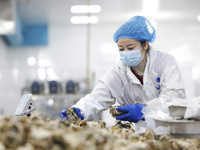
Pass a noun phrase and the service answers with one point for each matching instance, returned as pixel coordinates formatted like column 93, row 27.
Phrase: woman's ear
column 146, row 45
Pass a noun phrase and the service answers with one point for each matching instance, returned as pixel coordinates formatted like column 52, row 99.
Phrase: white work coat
column 162, row 79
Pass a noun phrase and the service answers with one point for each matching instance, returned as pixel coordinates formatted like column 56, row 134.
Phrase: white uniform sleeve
column 93, row 104
column 172, row 85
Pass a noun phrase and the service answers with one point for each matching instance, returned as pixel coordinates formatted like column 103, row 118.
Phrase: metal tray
column 179, row 112
column 183, row 127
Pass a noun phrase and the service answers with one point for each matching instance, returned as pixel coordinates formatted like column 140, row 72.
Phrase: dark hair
column 143, row 43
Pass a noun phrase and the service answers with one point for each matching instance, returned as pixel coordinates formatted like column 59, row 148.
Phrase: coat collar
column 151, row 54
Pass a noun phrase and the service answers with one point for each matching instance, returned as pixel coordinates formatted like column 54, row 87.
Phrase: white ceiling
column 58, row 11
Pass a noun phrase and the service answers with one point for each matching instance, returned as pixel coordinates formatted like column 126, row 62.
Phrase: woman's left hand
column 134, row 112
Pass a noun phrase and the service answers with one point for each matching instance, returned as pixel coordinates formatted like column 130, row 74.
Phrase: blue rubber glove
column 133, row 114
column 76, row 110
column 63, row 114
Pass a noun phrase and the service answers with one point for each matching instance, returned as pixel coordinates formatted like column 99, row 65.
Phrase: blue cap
column 138, row 28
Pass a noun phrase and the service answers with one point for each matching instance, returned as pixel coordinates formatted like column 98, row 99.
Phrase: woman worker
column 143, row 75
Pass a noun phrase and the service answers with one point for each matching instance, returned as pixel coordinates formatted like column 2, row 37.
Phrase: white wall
column 67, row 54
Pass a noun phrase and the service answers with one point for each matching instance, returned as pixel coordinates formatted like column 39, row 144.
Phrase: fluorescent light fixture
column 84, row 19
column 198, row 18
column 31, row 61
column 86, row 9
column 7, row 26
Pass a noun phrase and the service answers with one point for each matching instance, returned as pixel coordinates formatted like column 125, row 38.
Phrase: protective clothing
column 138, row 28
column 134, row 112
column 76, row 110
column 132, row 57
column 162, row 80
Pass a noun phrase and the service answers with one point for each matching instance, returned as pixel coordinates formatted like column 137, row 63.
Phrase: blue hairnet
column 138, row 28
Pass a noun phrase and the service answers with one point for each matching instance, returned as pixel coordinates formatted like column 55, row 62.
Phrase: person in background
column 143, row 75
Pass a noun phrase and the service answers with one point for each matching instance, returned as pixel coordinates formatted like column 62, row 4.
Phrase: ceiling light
column 7, row 27
column 198, row 18
column 86, row 9
column 31, row 61
column 84, row 19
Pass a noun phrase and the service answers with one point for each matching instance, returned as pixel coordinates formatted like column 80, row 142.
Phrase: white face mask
column 132, row 57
